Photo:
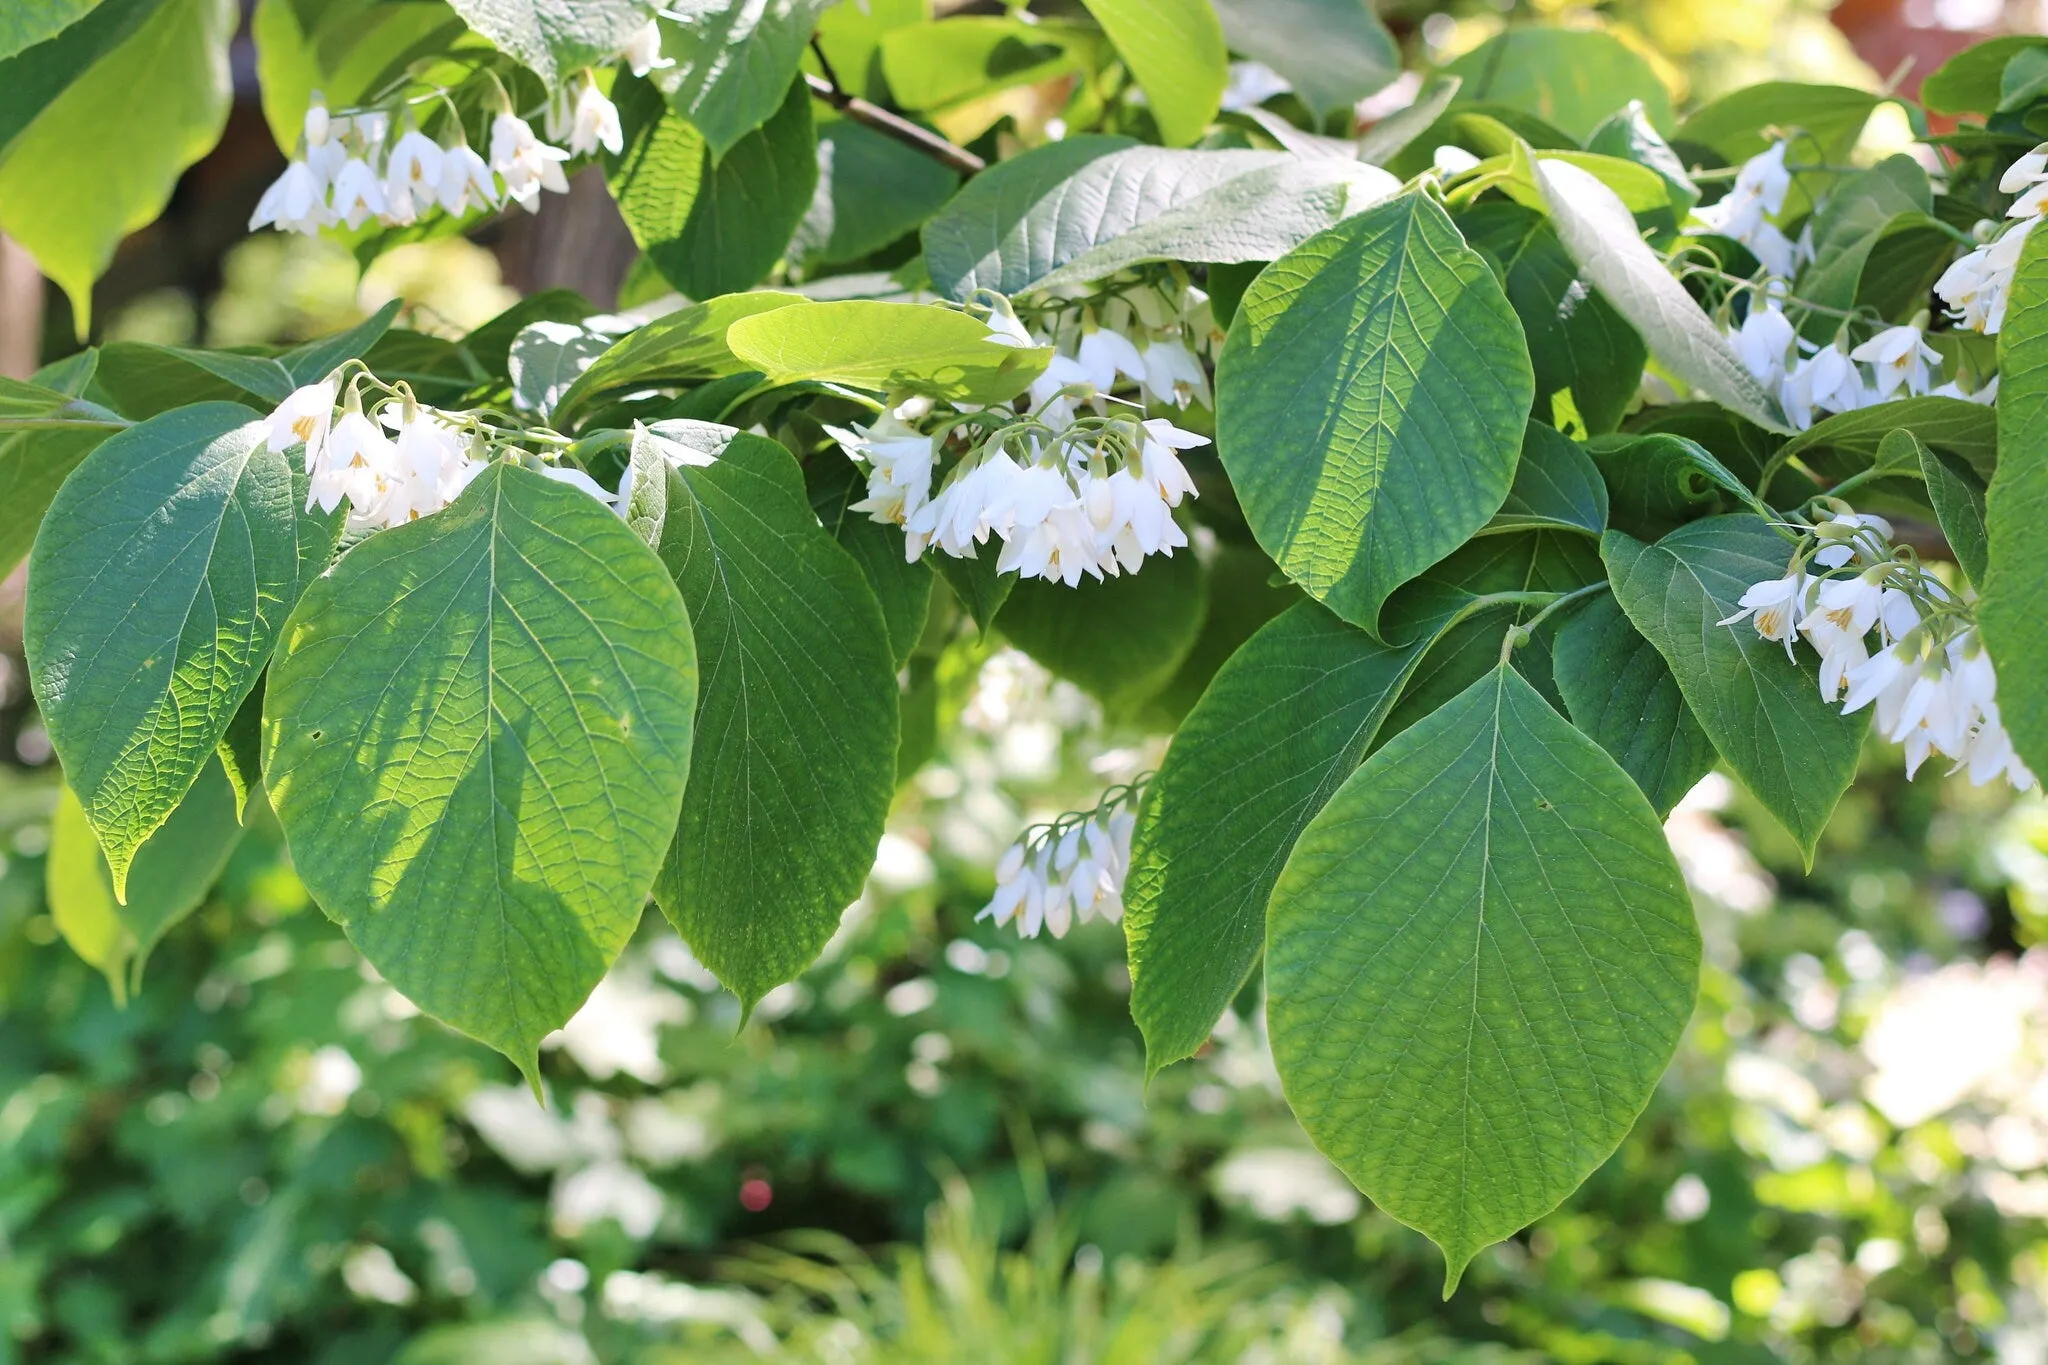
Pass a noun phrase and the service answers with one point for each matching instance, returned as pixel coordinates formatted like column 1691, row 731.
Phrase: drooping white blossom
column 1898, row 357
column 525, row 163
column 1066, row 873
column 643, row 50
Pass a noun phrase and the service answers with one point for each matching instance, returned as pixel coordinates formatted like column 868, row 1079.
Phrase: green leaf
column 1653, row 483
column 101, row 158
column 1959, row 499
column 555, row 38
column 1557, row 487
column 871, row 191
column 240, row 751
column 1245, row 592
column 849, row 37
column 920, row 347
column 1577, row 342
column 686, row 346
column 931, row 66
column 1618, row 689
column 734, row 60
column 1744, row 122
column 1285, row 721
column 37, row 75
column 1848, row 442
column 345, row 51
column 168, row 564
column 1480, row 958
column 142, row 379
column 2014, row 603
column 903, row 588
column 1572, row 78
column 547, row 359
column 1392, row 135
column 1175, row 51
column 172, row 872
column 977, row 585
column 29, row 22
column 1790, row 746
column 1863, row 209
column 1091, row 205
column 1121, row 639
column 1601, row 235
column 1371, row 403
column 1628, row 134
column 315, row 360
column 712, row 227
column 476, row 736
column 1972, row 81
column 798, row 710
column 2023, row 79
column 35, row 462
column 1333, row 52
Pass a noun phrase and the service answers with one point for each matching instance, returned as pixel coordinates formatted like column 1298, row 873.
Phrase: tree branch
column 828, row 89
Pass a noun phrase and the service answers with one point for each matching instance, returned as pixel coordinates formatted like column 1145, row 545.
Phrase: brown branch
column 828, row 89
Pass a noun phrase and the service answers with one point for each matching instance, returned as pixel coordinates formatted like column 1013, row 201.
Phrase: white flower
column 1897, row 356
column 1159, row 467
column 2030, row 202
column 1005, row 330
column 359, row 464
column 643, row 50
column 304, row 418
column 412, row 174
column 295, row 202
column 525, row 163
column 594, row 122
column 1777, row 604
column 576, row 478
column 1763, row 341
column 1853, row 535
column 899, row 461
column 1252, row 84
column 1884, row 673
column 2025, row 171
column 357, row 195
column 465, row 182
column 1103, row 355
column 1848, row 605
column 1841, row 653
column 1826, row 381
column 1066, row 875
column 1452, row 161
column 1173, row 374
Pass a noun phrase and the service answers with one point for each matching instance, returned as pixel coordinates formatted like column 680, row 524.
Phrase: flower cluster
column 1811, row 381
column 1975, row 288
column 1931, row 682
column 389, row 457
column 1745, row 213
column 1070, row 870
column 1069, row 488
column 350, row 170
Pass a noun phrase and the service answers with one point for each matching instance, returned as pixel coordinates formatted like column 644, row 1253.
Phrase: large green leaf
column 1571, row 78
column 476, row 736
column 1960, row 503
column 1601, row 235
column 734, row 60
column 2015, row 585
column 1089, row 206
column 798, row 711
column 1763, row 711
column 1285, row 721
column 162, row 576
column 1972, row 81
column 1333, row 52
column 101, row 158
column 1175, row 50
column 920, row 347
column 686, row 346
column 556, row 38
column 713, row 226
column 172, row 872
column 1480, row 958
column 1576, row 339
column 28, row 22
column 1618, row 689
column 1371, row 403
column 872, row 189
column 35, row 460
column 38, row 74
column 1121, row 639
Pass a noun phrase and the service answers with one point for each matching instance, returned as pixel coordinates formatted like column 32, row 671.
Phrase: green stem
column 1520, row 634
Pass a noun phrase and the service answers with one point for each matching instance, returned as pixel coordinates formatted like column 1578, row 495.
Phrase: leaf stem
column 1519, row 635
column 828, row 89
column 64, row 424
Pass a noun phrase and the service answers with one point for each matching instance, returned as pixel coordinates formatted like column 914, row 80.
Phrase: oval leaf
column 1480, row 958
column 1371, row 403
column 2015, row 602
column 158, row 585
column 476, row 736
column 1175, row 50
column 798, row 713
column 920, row 347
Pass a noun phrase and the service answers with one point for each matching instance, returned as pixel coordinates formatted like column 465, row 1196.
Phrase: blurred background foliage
column 939, row 1145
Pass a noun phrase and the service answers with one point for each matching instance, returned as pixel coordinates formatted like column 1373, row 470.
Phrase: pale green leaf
column 686, row 346
column 158, row 586
column 1601, row 235
column 798, row 714
column 872, row 190
column 33, row 77
column 1764, row 712
column 920, row 347
column 27, row 22
column 1175, row 51
column 734, row 61
column 1973, row 81
column 172, row 872
column 476, row 736
column 965, row 57
column 1480, row 958
column 1572, row 78
column 1333, row 52
column 101, row 158
column 342, row 51
column 1371, row 403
